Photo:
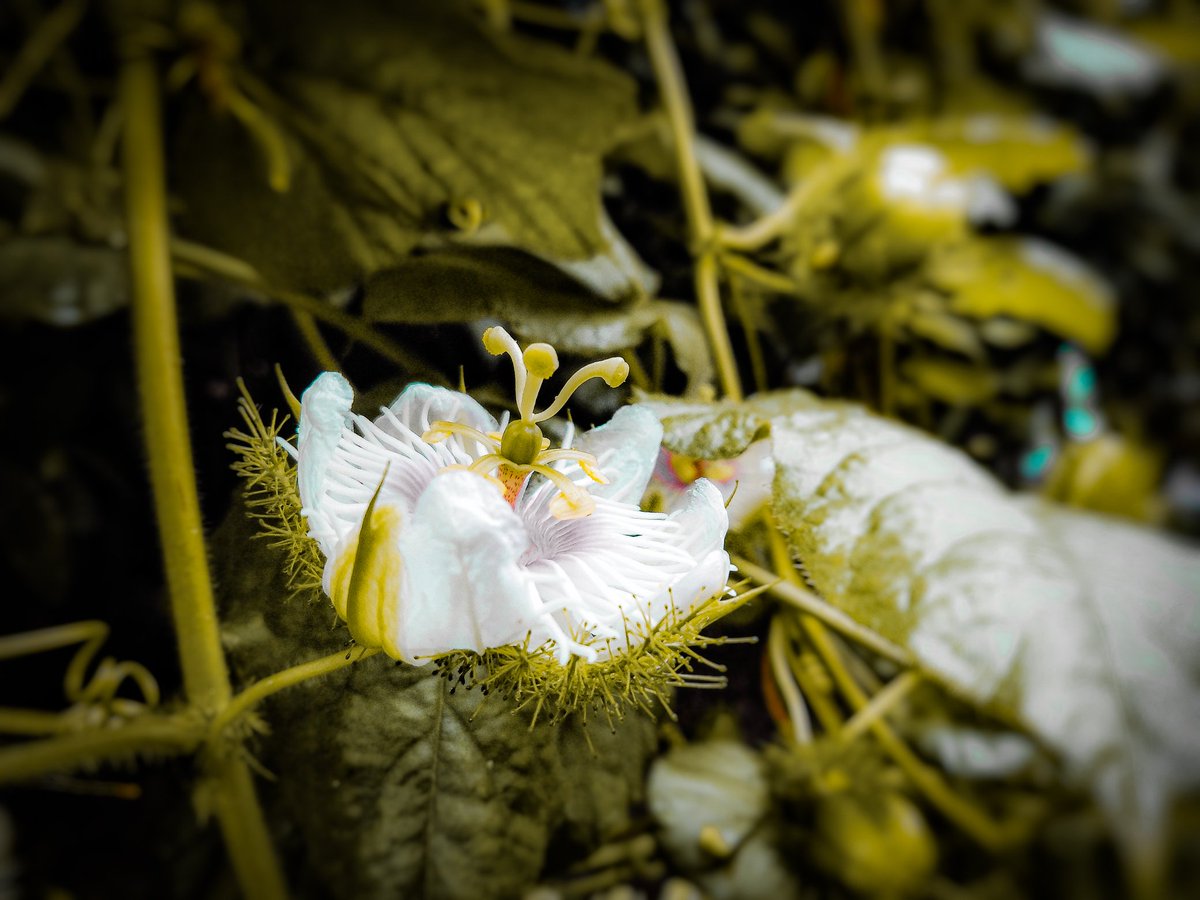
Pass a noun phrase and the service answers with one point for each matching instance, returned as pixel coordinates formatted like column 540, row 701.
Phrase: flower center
column 522, row 449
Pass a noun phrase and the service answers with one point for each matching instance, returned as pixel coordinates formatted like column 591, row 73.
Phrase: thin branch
column 673, row 90
column 806, row 601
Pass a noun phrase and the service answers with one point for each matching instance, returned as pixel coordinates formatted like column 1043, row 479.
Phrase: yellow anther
column 497, row 341
column 541, row 361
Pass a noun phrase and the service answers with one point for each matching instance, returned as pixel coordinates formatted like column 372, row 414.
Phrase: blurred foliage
column 959, row 238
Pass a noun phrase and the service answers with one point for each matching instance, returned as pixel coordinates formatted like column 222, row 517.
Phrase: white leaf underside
column 1083, row 629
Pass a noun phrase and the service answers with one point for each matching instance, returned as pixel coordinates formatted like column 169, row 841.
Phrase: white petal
column 420, row 405
column 626, row 448
column 463, row 586
column 324, row 408
column 703, row 523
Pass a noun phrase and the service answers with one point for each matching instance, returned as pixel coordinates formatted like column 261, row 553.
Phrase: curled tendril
column 93, row 699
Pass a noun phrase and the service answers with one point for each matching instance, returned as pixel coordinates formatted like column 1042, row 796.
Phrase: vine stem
column 259, row 691
column 702, row 230
column 150, row 734
column 164, row 413
column 796, row 594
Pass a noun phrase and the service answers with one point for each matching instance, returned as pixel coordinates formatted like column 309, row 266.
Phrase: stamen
column 613, row 370
column 586, row 461
column 573, row 502
column 497, row 341
column 441, row 430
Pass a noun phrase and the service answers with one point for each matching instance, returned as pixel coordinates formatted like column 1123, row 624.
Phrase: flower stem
column 157, row 734
column 164, row 412
column 673, row 90
column 256, row 693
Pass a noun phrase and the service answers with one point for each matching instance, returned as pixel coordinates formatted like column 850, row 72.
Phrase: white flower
column 441, row 532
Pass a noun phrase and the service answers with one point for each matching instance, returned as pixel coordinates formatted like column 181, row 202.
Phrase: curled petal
column 626, row 449
column 324, row 409
column 703, row 522
column 420, row 405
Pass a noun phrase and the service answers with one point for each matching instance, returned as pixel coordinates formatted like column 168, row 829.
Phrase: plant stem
column 208, row 261
column 962, row 813
column 164, row 412
column 257, row 692
column 673, row 90
column 30, row 722
column 164, row 409
column 881, row 704
column 797, row 595
column 317, row 346
column 793, row 700
column 158, row 734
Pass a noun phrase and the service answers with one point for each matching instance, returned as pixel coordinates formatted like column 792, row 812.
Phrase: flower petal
column 324, row 409
column 420, row 405
column 703, row 522
column 626, row 449
column 464, row 588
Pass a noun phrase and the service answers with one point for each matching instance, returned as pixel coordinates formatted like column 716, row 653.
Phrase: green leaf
column 396, row 124
column 1054, row 621
column 1018, row 151
column 396, row 783
column 1028, row 280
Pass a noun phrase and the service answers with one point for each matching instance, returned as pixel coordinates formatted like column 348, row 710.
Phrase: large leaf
column 537, row 301
column 398, row 784
column 392, row 120
column 1081, row 629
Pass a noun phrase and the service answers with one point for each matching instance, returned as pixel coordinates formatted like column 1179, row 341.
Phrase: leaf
column 1017, row 151
column 396, row 124
column 1029, row 280
column 1078, row 628
column 720, row 430
column 915, row 541
column 397, row 784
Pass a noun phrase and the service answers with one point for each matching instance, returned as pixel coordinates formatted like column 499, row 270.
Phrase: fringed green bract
column 271, row 494
column 636, row 673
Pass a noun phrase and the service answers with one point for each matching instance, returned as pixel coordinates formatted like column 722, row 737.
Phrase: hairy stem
column 164, row 413
column 164, row 409
column 256, row 693
column 673, row 90
column 151, row 734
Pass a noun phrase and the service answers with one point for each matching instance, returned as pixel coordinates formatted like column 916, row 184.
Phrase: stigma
column 521, row 449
